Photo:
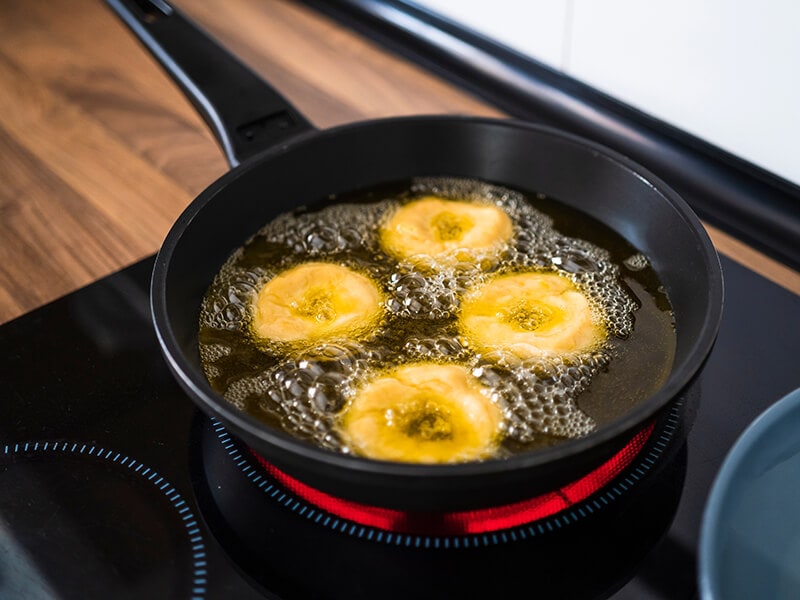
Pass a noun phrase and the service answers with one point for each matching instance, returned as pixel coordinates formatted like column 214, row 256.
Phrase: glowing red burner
column 471, row 521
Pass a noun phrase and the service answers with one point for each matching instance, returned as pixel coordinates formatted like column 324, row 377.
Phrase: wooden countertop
column 99, row 151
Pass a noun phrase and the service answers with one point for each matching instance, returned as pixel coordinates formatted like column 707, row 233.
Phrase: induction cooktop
column 112, row 483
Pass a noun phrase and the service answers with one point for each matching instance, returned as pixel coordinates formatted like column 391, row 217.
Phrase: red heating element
column 482, row 520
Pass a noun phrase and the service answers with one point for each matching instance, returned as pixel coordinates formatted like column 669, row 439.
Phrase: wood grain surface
column 99, row 151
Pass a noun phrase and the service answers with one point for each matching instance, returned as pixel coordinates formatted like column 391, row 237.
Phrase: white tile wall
column 533, row 27
column 727, row 71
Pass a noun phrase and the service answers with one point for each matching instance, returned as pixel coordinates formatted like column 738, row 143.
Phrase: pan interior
column 419, row 329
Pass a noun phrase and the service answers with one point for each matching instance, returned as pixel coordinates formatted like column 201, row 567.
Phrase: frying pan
column 279, row 162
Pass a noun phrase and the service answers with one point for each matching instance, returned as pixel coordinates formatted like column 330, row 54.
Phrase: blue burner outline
column 196, row 541
column 634, row 472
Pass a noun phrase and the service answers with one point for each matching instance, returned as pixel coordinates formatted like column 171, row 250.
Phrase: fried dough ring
column 446, row 231
column 316, row 302
column 423, row 413
column 529, row 315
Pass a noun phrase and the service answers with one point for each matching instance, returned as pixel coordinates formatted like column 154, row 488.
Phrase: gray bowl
column 750, row 535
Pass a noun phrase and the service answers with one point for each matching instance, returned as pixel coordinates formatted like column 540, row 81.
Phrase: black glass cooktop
column 112, row 484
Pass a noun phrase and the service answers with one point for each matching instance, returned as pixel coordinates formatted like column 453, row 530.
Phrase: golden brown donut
column 316, row 302
column 529, row 315
column 425, row 413
column 446, row 231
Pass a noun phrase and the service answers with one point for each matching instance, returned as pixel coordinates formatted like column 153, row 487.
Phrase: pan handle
column 243, row 111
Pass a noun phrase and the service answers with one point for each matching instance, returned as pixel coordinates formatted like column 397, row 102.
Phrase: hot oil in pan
column 305, row 387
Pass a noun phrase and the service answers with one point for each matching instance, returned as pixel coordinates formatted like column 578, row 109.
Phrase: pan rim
column 680, row 376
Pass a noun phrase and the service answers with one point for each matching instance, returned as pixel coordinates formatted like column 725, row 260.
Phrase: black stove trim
column 743, row 199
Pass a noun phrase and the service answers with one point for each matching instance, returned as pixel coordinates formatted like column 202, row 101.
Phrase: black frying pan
column 280, row 162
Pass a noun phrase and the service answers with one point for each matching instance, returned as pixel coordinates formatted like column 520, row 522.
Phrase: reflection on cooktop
column 133, row 533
